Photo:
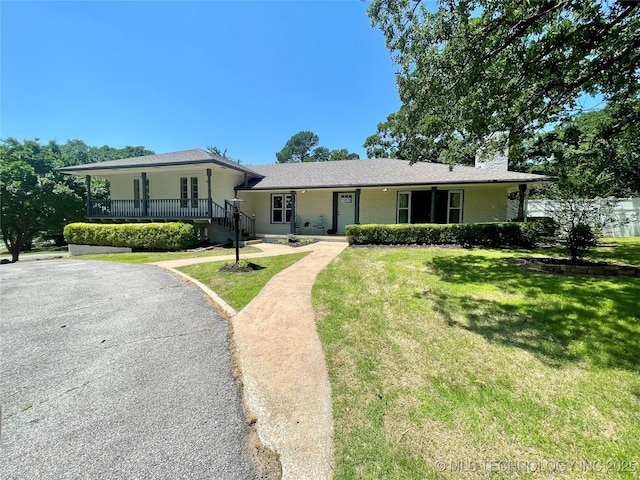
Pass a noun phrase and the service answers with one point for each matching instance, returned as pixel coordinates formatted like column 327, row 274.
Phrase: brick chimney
column 498, row 160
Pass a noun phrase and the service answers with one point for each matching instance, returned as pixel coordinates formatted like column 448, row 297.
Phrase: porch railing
column 156, row 208
column 168, row 209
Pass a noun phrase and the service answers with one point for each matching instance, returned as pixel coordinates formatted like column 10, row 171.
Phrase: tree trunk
column 14, row 245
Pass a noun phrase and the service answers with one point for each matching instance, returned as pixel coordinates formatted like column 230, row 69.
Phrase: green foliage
column 580, row 239
column 468, row 69
column 33, row 197
column 300, row 148
column 170, row 236
column 221, row 153
column 592, row 154
column 36, row 199
column 468, row 234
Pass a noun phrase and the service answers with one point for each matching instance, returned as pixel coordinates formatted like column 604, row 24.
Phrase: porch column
column 356, row 218
column 433, row 204
column 522, row 188
column 209, row 209
column 145, row 202
column 292, row 227
column 89, row 199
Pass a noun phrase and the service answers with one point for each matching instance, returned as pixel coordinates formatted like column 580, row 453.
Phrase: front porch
column 203, row 210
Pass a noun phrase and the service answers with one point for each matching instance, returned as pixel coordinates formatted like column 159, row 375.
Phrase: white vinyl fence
column 626, row 215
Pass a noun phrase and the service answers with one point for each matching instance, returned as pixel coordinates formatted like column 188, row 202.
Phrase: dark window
column 184, row 192
column 194, row 192
column 136, row 193
column 281, row 208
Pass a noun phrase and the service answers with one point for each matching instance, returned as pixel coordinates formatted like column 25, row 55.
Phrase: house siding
column 481, row 204
column 309, row 206
column 166, row 185
column 485, row 204
column 378, row 206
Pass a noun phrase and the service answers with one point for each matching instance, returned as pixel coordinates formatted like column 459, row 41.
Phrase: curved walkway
column 286, row 385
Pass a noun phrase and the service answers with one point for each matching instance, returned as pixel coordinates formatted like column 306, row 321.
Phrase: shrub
column 579, row 240
column 141, row 236
column 470, row 234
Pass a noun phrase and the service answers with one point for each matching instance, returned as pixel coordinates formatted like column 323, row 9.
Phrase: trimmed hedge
column 508, row 234
column 169, row 236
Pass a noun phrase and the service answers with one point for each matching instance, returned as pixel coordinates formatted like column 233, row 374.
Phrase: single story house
column 314, row 198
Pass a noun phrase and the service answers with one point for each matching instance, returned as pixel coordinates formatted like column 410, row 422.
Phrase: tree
column 321, row 154
column 37, row 200
column 585, row 144
column 473, row 68
column 342, row 154
column 221, row 153
column 298, row 148
column 32, row 197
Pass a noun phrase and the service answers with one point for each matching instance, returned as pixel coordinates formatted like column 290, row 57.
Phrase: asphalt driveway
column 114, row 371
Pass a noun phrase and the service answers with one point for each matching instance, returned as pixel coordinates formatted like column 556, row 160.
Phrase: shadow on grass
column 629, row 253
column 561, row 319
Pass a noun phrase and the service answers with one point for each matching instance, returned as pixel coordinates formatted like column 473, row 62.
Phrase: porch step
column 246, row 243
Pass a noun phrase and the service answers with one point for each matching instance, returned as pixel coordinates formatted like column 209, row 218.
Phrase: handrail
column 174, row 208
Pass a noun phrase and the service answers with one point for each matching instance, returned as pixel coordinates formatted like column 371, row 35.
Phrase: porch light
column 303, row 191
column 385, row 189
column 236, row 221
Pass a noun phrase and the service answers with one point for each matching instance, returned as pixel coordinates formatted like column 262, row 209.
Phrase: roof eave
column 410, row 184
column 74, row 170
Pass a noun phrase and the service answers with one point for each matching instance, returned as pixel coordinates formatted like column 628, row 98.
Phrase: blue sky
column 171, row 76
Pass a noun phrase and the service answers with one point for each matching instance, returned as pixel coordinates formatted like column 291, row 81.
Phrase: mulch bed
column 235, row 268
column 564, row 266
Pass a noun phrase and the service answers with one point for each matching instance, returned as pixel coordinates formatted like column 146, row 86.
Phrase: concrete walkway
column 286, row 385
column 268, row 250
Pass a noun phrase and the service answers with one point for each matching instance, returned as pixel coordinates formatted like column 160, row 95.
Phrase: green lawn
column 37, row 250
column 149, row 257
column 444, row 362
column 238, row 289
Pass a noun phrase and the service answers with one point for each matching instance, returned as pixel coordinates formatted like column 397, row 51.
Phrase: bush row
column 142, row 236
column 493, row 235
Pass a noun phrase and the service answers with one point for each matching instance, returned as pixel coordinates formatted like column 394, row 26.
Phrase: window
column 454, row 213
column 184, row 192
column 404, row 207
column 136, row 193
column 281, row 208
column 194, row 192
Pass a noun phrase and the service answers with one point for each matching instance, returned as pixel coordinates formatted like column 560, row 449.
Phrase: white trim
column 408, row 193
column 461, row 208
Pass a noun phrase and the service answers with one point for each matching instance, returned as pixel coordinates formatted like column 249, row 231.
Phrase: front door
column 346, row 210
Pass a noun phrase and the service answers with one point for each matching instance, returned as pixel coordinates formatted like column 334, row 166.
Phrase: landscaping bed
column 583, row 267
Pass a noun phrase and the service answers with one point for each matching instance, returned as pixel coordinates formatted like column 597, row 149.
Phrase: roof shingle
column 377, row 172
column 184, row 157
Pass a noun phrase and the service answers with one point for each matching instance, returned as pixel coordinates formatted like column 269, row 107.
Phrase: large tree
column 468, row 69
column 37, row 200
column 33, row 197
column 298, row 147
column 589, row 160
column 302, row 147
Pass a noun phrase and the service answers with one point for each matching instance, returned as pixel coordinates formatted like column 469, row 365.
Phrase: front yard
column 450, row 363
